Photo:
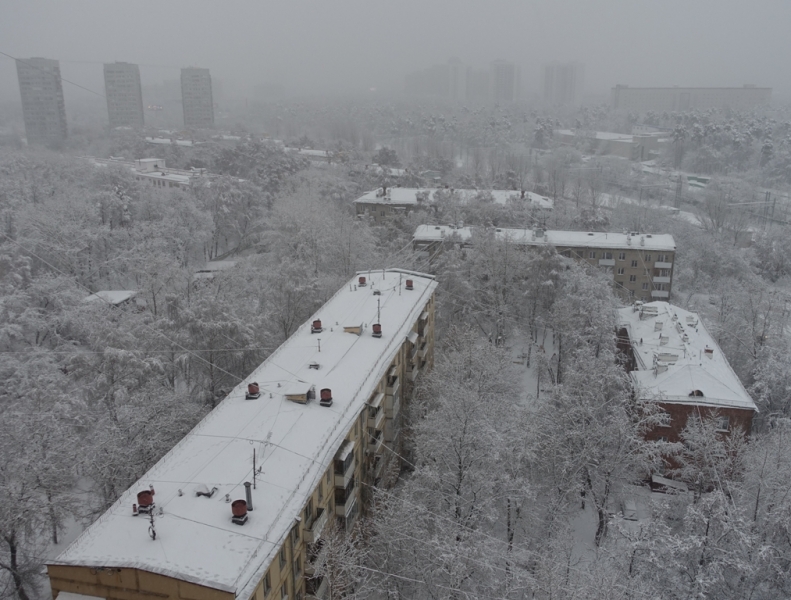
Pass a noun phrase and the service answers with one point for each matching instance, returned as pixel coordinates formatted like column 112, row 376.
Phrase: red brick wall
column 679, row 413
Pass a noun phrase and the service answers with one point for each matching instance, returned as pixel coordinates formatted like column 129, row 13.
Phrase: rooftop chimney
column 253, row 391
column 316, row 326
column 326, row 397
column 248, row 494
column 361, row 281
column 410, row 284
column 239, row 510
column 377, row 330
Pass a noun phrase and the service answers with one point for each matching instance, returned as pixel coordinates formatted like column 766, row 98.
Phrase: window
column 329, row 476
column 723, row 423
column 645, row 286
column 297, row 567
column 634, row 263
column 607, row 255
column 632, row 277
column 620, row 271
column 321, row 492
column 282, row 557
column 309, row 513
column 267, row 584
column 295, row 535
column 622, row 256
column 592, row 255
column 665, row 419
column 647, row 258
column 662, row 438
column 284, row 591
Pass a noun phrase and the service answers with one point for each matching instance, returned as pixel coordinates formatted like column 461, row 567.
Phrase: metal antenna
column 253, row 467
column 151, row 531
column 319, row 339
column 377, row 310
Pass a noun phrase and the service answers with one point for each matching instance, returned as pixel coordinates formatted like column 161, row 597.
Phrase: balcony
column 661, row 279
column 313, row 533
column 392, row 389
column 344, row 508
column 392, row 406
column 413, row 373
column 342, row 479
column 318, row 593
column 375, row 441
column 376, row 421
column 423, row 350
column 606, row 262
column 663, row 265
column 659, row 294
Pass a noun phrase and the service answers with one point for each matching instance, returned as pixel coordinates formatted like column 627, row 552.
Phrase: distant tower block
column 42, row 101
column 197, row 99
column 124, row 95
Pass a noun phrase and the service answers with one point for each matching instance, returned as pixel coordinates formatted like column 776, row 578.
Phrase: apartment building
column 661, row 99
column 155, row 171
column 673, row 361
column 241, row 506
column 641, row 264
column 384, row 203
column 563, row 83
column 197, row 99
column 124, row 95
column 43, row 109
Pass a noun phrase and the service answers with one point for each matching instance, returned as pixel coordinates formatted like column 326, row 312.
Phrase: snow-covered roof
column 114, row 297
column 676, row 356
column 409, row 196
column 566, row 239
column 295, row 444
column 599, row 135
column 159, row 140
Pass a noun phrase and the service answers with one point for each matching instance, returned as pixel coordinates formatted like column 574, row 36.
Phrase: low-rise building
column 383, row 203
column 156, row 172
column 634, row 146
column 674, row 361
column 641, row 264
column 241, row 506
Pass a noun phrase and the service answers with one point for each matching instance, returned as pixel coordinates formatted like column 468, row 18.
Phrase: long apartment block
column 641, row 264
column 241, row 506
column 386, row 202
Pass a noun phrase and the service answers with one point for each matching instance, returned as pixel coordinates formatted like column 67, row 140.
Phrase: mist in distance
column 357, row 47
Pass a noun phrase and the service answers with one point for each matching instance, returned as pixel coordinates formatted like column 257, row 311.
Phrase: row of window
column 723, row 422
column 622, row 256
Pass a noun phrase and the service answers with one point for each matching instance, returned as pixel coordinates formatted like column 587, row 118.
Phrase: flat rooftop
column 674, row 340
column 409, row 196
column 572, row 239
column 295, row 444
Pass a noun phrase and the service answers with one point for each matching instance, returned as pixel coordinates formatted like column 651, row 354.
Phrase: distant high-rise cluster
column 563, row 83
column 44, row 111
column 43, row 108
column 500, row 82
column 124, row 95
column 196, row 98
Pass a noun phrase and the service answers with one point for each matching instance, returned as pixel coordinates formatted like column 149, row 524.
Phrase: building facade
column 385, row 203
column 43, row 109
column 661, row 99
column 197, row 99
column 563, row 83
column 241, row 507
column 505, row 81
column 673, row 361
column 124, row 95
column 641, row 264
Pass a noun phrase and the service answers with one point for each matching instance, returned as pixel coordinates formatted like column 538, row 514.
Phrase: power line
column 61, row 77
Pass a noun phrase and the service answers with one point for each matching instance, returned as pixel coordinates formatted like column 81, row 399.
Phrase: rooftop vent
column 410, row 285
column 709, row 352
column 361, row 281
column 203, row 490
column 377, row 292
column 539, row 233
column 696, row 394
column 253, row 391
column 326, row 397
column 315, row 327
column 355, row 329
column 314, row 365
column 658, row 325
column 239, row 510
column 377, row 330
column 628, row 241
column 589, row 233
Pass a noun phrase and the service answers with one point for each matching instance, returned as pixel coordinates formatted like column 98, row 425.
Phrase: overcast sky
column 353, row 45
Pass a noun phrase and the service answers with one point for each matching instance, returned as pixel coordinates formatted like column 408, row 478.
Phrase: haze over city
column 421, row 300
column 350, row 47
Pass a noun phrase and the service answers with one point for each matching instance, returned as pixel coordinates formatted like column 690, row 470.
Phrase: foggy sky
column 353, row 45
